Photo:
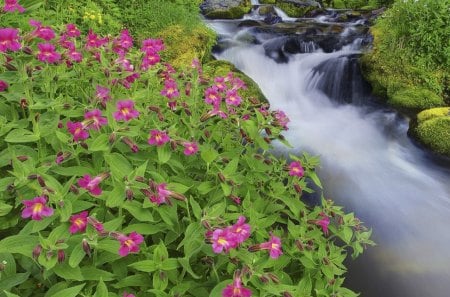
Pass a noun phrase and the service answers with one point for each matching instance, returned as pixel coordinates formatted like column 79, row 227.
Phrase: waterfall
column 369, row 165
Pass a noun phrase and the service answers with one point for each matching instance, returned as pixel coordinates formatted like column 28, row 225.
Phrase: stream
column 309, row 69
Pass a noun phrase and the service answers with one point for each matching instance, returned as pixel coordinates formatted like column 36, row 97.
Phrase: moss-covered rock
column 432, row 113
column 297, row 9
column 415, row 99
column 222, row 68
column 225, row 9
column 434, row 133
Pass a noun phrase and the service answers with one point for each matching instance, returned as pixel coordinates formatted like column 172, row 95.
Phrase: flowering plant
column 121, row 176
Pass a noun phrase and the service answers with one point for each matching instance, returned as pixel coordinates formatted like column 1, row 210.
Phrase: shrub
column 122, row 177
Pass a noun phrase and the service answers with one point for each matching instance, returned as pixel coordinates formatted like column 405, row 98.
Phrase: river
column 309, row 68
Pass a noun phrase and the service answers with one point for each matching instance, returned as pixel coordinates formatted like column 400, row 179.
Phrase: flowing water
column 369, row 165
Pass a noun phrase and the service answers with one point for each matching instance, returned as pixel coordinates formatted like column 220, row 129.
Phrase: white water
column 371, row 167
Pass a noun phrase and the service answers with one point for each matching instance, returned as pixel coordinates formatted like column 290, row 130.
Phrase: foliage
column 434, row 133
column 118, row 175
column 415, row 99
column 432, row 113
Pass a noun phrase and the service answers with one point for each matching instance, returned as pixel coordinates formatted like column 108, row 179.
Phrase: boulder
column 225, row 9
column 298, row 9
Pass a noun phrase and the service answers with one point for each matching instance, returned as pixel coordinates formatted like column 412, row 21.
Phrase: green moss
column 339, row 4
column 435, row 134
column 415, row 99
column 235, row 12
column 267, row 1
column 432, row 113
column 294, row 10
column 222, row 68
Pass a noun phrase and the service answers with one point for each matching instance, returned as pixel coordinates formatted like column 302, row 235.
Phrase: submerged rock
column 225, row 9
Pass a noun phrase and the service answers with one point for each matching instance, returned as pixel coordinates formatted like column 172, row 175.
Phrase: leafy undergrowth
column 123, row 177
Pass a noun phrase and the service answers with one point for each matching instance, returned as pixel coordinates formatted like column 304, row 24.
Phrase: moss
column 339, row 4
column 435, row 134
column 294, row 10
column 184, row 44
column 222, row 68
column 433, row 113
column 235, row 12
column 267, row 1
column 415, row 99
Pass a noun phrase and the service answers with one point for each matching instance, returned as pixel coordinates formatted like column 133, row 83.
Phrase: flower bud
column 22, row 158
column 267, row 139
column 274, row 278
column 187, row 89
column 160, row 117
column 84, row 145
column 287, row 294
column 129, row 194
column 41, row 181
column 154, row 108
column 27, row 50
column 37, row 251
column 112, row 138
column 23, row 103
column 299, row 245
column 264, row 279
column 86, row 247
column 32, row 176
column 297, row 188
column 10, row 67
column 268, row 131
column 221, row 177
column 61, row 256
column 173, row 145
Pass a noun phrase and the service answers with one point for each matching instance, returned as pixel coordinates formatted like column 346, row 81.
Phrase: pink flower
column 123, row 42
column 281, row 119
column 236, row 289
column 162, row 195
column 152, row 46
column 125, row 294
column 238, row 83
column 220, row 84
column 324, row 222
column 170, row 89
column 241, row 230
column 190, row 148
column 91, row 184
column 125, row 110
column 232, row 98
column 158, row 138
column 74, row 56
column 273, row 245
column 72, row 30
column 93, row 41
column 95, row 116
column 296, row 169
column 149, row 60
column 47, row 53
column 43, row 32
column 9, row 40
column 223, row 240
column 78, row 222
column 77, row 130
column 212, row 96
column 3, row 85
column 102, row 93
column 13, row 5
column 36, row 208
column 130, row 244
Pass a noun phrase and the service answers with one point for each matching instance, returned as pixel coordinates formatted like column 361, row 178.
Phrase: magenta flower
column 232, row 98
column 13, row 5
column 241, row 230
column 47, row 53
column 123, row 42
column 281, row 119
column 149, row 60
column 91, row 184
column 236, row 289
column 93, row 41
column 125, row 294
column 74, row 56
column 72, row 30
column 223, row 240
column 102, row 93
column 36, row 208
column 162, row 195
column 273, row 245
column 3, row 85
column 190, row 148
column 212, row 96
column 130, row 244
column 324, row 222
column 43, row 32
column 170, row 89
column 152, row 46
column 9, row 40
column 95, row 117
column 78, row 130
column 296, row 169
column 78, row 222
column 158, row 138
column 220, row 84
column 238, row 83
column 125, row 110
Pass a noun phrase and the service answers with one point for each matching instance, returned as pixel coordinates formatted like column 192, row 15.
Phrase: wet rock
column 225, row 9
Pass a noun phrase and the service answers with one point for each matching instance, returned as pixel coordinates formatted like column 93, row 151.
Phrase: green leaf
column 76, row 256
column 205, row 187
column 117, row 196
column 217, row 290
column 69, row 292
column 179, row 188
column 145, row 228
column 67, row 272
column 100, row 143
column 119, row 165
column 19, row 244
column 169, row 264
column 145, row 266
column 13, row 280
column 102, row 290
column 114, row 224
column 164, row 154
column 21, row 136
column 187, row 266
column 95, row 274
column 196, row 209
column 137, row 280
column 8, row 294
column 231, row 168
column 4, row 209
column 209, row 154
column 48, row 123
column 315, row 178
column 136, row 210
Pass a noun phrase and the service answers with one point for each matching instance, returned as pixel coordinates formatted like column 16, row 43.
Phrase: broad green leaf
column 10, row 266
column 21, row 136
column 187, row 266
column 48, row 123
column 217, row 290
column 119, row 165
column 13, row 280
column 100, row 143
column 179, row 188
column 114, row 224
column 8, row 294
column 4, row 209
column 67, row 272
column 136, row 280
column 169, row 264
column 19, row 244
column 69, row 292
column 102, row 290
column 315, row 178
column 76, row 256
column 136, row 210
column 116, row 197
column 205, row 187
column 196, row 209
column 145, row 228
column 164, row 154
column 209, row 154
column 95, row 274
column 231, row 167
column 109, row 245
column 145, row 265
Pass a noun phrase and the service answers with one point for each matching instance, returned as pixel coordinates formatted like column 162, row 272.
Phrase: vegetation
column 123, row 176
